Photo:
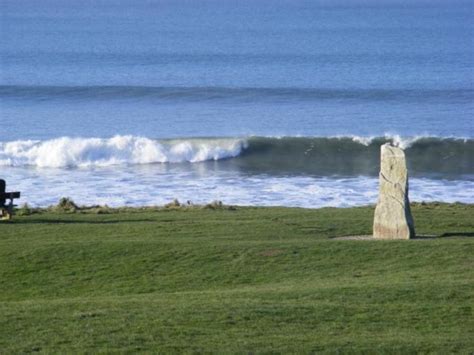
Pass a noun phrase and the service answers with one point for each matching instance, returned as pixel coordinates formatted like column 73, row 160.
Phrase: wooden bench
column 6, row 209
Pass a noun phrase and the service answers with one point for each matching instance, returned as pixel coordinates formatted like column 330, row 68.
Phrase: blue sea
column 251, row 102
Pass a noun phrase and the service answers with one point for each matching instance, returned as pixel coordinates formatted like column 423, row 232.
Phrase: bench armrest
column 9, row 195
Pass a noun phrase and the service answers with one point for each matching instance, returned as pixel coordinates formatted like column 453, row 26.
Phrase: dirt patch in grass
column 370, row 237
column 271, row 252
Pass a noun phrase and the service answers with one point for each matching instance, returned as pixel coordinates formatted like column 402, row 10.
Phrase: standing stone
column 393, row 219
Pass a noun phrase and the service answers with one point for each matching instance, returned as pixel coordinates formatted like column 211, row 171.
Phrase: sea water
column 264, row 102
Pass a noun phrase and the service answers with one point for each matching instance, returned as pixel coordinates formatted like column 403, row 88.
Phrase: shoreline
column 66, row 204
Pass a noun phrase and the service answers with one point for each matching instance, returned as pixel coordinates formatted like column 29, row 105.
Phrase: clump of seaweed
column 66, row 204
column 97, row 209
column 25, row 210
column 214, row 205
column 173, row 204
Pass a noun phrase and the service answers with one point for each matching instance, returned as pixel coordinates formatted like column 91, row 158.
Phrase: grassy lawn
column 260, row 280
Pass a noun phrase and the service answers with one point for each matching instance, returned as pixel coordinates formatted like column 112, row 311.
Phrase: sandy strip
column 370, row 237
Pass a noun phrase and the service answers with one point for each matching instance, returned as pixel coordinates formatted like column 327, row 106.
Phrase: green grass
column 250, row 280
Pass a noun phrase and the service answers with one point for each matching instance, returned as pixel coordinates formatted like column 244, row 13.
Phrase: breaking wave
column 322, row 156
column 119, row 150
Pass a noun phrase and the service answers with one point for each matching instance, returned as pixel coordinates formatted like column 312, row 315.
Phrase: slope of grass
column 244, row 280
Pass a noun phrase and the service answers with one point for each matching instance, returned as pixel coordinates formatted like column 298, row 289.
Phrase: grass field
column 249, row 280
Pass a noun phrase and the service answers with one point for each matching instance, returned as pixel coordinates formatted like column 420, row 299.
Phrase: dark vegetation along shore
column 234, row 279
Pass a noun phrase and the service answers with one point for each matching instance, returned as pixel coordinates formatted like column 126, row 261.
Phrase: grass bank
column 235, row 280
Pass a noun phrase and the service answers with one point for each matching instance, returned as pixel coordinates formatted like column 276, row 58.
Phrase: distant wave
column 245, row 94
column 347, row 155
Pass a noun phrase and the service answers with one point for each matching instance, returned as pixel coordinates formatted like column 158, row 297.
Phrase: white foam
column 148, row 185
column 363, row 140
column 396, row 139
column 118, row 150
column 402, row 142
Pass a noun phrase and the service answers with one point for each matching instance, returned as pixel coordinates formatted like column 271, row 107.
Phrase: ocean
column 263, row 102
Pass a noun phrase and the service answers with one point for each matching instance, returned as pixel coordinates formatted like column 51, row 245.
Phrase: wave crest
column 321, row 156
column 88, row 152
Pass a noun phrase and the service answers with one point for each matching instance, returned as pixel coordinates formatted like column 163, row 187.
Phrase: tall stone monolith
column 393, row 219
